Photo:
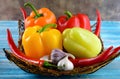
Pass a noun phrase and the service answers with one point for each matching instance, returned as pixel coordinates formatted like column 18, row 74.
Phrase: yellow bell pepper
column 40, row 41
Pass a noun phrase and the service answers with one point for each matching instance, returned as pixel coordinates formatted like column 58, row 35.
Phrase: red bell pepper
column 100, row 58
column 69, row 21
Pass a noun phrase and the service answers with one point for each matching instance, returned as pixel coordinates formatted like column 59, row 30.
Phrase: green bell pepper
column 81, row 43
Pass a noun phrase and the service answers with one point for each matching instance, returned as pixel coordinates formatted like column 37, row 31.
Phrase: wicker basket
column 36, row 69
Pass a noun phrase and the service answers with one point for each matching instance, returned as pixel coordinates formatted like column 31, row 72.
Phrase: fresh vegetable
column 100, row 58
column 81, row 43
column 57, row 55
column 60, row 58
column 40, row 41
column 98, row 25
column 23, row 13
column 115, row 51
column 78, row 20
column 39, row 17
column 18, row 53
column 90, row 61
column 22, row 56
column 65, row 64
column 69, row 21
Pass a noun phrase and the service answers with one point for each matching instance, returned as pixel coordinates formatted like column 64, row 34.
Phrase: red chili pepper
column 98, row 25
column 69, row 21
column 115, row 51
column 23, row 13
column 18, row 53
column 90, row 61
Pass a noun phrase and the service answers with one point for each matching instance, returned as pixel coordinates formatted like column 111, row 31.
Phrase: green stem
column 47, row 64
column 34, row 9
column 47, row 26
column 69, row 14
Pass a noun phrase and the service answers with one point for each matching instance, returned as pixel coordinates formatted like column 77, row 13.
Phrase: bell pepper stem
column 69, row 14
column 34, row 9
column 47, row 26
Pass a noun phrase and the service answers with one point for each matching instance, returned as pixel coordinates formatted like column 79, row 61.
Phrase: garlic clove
column 65, row 64
column 57, row 55
column 46, row 58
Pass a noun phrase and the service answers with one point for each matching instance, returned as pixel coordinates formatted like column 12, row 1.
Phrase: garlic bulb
column 60, row 58
column 65, row 64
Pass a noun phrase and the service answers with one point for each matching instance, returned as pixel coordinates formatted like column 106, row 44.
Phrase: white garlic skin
column 65, row 64
column 46, row 58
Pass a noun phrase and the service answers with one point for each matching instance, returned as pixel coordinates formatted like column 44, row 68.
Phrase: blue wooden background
column 110, row 33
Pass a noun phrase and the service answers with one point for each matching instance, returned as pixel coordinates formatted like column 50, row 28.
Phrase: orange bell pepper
column 39, row 17
column 40, row 41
